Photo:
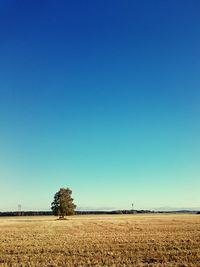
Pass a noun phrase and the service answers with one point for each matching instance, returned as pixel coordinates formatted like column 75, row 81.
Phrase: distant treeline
column 114, row 212
column 46, row 213
column 25, row 213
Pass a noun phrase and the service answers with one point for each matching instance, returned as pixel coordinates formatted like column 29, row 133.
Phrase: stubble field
column 118, row 240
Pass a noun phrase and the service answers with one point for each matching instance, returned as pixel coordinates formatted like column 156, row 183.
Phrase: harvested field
column 117, row 240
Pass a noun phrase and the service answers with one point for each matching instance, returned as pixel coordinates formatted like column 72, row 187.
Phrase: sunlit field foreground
column 118, row 240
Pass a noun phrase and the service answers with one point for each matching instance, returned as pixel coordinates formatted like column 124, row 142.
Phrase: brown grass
column 119, row 240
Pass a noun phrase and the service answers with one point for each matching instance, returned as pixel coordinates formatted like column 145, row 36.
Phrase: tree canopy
column 63, row 203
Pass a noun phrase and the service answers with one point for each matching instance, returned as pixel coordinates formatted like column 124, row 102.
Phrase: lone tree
column 63, row 203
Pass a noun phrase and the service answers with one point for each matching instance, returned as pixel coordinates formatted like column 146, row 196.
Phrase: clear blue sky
column 102, row 97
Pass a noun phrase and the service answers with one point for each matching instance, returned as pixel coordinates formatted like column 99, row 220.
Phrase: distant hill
column 174, row 209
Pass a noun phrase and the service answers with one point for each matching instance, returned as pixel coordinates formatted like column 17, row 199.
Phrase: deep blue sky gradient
column 103, row 97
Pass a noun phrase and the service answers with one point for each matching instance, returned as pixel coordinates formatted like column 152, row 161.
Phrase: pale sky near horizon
column 102, row 97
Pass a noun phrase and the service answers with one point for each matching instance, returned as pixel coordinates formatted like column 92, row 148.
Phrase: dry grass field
column 118, row 240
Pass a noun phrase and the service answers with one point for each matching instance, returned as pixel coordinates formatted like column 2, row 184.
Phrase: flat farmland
column 117, row 240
